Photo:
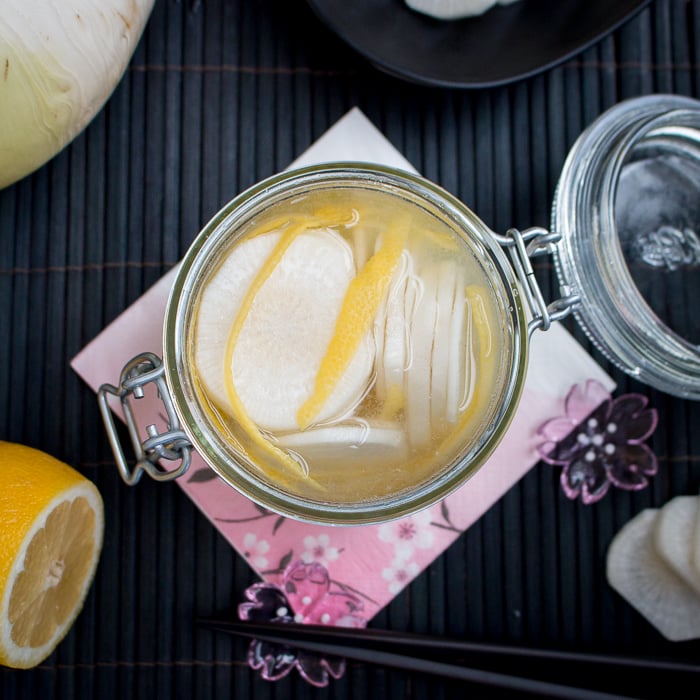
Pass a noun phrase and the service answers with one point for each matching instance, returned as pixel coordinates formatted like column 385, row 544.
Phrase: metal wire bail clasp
column 172, row 444
column 521, row 246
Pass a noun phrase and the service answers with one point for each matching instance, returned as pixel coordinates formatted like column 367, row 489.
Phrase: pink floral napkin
column 363, row 567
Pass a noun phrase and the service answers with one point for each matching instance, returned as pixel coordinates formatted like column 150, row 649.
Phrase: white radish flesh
column 59, row 63
column 674, row 536
column 454, row 9
column 391, row 330
column 348, row 444
column 417, row 380
column 273, row 372
column 440, row 370
column 451, row 9
column 641, row 576
column 461, row 352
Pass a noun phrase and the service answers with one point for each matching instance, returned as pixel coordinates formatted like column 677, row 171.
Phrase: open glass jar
column 628, row 208
column 343, row 344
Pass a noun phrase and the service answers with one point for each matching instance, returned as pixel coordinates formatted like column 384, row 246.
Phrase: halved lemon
column 50, row 543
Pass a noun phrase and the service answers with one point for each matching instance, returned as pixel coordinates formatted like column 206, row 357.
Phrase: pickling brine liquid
column 349, row 342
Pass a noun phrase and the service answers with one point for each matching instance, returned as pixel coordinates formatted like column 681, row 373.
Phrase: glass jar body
column 239, row 464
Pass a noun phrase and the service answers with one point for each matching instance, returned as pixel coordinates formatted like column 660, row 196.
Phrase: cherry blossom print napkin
column 365, row 566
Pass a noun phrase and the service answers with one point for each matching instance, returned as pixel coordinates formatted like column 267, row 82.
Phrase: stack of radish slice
column 424, row 353
column 654, row 563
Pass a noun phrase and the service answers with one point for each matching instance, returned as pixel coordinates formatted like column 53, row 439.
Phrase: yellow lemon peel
column 362, row 299
column 394, row 403
column 323, row 217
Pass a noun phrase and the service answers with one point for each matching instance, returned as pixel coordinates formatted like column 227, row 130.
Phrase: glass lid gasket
column 216, row 454
column 591, row 261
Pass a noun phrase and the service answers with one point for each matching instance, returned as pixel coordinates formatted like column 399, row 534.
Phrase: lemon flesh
column 50, row 542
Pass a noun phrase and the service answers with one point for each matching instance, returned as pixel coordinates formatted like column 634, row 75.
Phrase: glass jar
column 259, row 459
column 627, row 206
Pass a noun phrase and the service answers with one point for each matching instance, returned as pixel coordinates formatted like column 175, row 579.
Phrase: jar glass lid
column 628, row 209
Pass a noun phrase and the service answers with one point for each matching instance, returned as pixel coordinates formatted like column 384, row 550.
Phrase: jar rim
column 590, row 260
column 183, row 294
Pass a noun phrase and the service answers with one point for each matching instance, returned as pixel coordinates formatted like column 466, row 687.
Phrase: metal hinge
column 172, row 444
column 522, row 246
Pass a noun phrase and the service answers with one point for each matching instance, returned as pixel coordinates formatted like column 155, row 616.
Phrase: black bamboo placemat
column 221, row 93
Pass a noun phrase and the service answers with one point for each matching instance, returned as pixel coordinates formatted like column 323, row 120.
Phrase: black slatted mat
column 221, row 93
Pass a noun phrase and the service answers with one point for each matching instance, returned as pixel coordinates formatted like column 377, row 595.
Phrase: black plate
column 505, row 44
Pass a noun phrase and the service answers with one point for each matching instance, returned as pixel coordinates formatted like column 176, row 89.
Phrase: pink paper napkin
column 366, row 565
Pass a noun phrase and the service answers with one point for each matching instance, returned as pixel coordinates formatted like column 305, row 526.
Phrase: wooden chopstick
column 398, row 650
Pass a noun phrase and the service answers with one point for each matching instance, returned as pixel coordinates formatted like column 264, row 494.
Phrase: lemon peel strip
column 362, row 299
column 326, row 219
column 394, row 403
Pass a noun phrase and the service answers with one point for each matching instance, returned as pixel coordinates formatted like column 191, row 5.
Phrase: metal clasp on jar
column 172, row 444
column 522, row 246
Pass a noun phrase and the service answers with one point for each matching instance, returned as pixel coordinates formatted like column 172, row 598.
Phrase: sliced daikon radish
column 347, row 443
column 674, row 535
column 219, row 305
column 391, row 329
column 272, row 371
column 639, row 574
column 440, row 370
column 417, row 375
column 479, row 352
column 461, row 351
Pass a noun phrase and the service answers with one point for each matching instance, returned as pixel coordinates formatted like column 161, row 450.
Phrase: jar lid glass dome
column 628, row 208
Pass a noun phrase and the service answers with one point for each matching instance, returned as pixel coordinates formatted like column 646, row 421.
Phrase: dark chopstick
column 388, row 639
column 398, row 650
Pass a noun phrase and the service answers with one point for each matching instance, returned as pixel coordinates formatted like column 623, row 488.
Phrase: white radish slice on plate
column 417, row 375
column 451, row 9
column 674, row 535
column 273, row 372
column 347, row 443
column 640, row 575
